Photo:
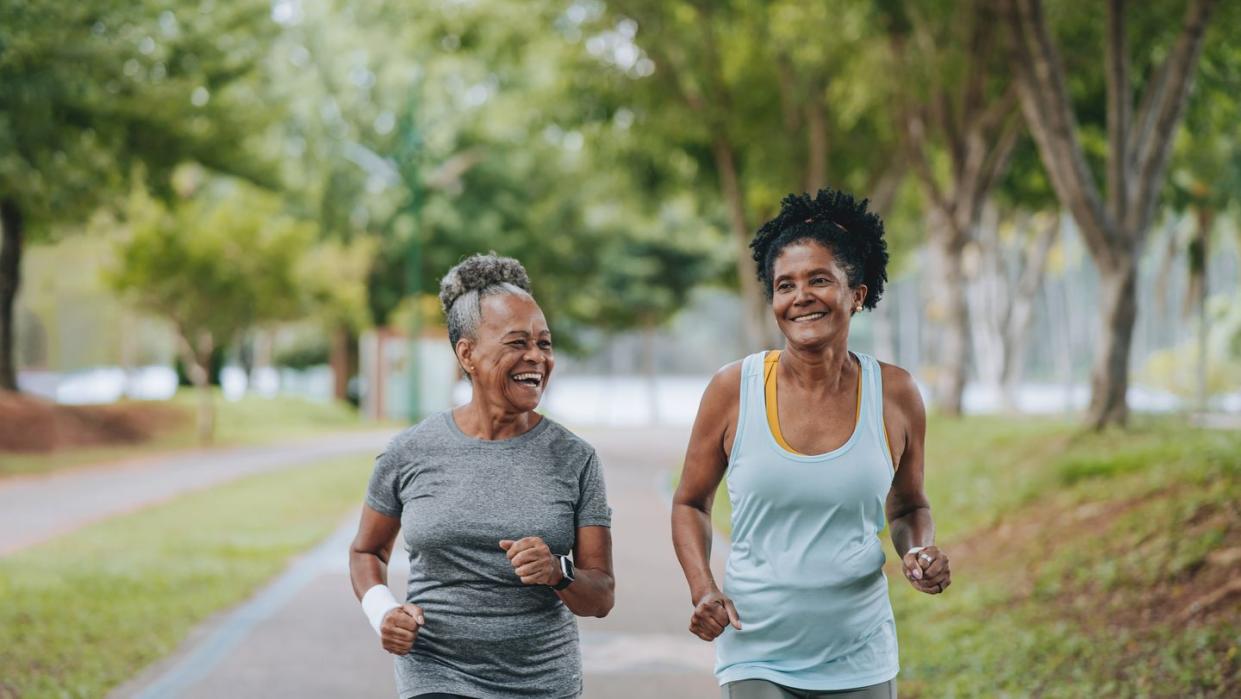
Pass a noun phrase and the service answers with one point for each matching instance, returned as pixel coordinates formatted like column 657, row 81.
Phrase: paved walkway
column 304, row 635
column 34, row 509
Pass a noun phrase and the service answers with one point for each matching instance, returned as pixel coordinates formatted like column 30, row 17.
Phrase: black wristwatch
column 566, row 571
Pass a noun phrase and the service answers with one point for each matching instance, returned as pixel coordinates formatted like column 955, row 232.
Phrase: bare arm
column 908, row 510
column 706, row 460
column 368, row 566
column 591, row 592
column 371, row 549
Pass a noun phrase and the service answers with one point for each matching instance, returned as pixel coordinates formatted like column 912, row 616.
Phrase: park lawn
column 87, row 611
column 251, row 420
column 1084, row 564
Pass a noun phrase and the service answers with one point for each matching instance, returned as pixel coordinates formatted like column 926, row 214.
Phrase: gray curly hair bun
column 464, row 287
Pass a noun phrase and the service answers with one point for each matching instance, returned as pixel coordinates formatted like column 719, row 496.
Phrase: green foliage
column 1205, row 172
column 143, row 594
column 303, row 356
column 332, row 278
column 558, row 133
column 451, row 133
column 93, row 89
column 214, row 266
column 648, row 275
column 678, row 95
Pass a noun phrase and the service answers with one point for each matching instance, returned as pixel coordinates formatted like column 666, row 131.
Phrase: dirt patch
column 33, row 425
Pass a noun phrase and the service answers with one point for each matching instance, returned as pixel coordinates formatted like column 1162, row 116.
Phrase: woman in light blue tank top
column 820, row 446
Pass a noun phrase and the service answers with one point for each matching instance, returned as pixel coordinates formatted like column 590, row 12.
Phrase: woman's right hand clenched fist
column 712, row 613
column 400, row 627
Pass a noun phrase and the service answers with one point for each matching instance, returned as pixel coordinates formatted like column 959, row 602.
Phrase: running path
column 34, row 509
column 305, row 636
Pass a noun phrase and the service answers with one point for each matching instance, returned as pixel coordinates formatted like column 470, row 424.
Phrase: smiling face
column 510, row 358
column 811, row 297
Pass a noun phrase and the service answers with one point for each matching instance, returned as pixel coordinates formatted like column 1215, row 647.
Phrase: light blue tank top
column 806, row 567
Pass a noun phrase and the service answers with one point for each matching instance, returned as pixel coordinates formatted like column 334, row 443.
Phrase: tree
column 647, row 281
column 1012, row 257
column 742, row 102
column 960, row 114
column 97, row 91
column 1206, row 174
column 332, row 277
column 447, row 132
column 213, row 266
column 1138, row 145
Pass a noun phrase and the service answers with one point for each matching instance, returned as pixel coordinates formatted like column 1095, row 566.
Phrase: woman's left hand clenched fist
column 532, row 561
column 927, row 569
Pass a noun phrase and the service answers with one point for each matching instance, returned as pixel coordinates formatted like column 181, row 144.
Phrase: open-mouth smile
column 809, row 317
column 532, row 379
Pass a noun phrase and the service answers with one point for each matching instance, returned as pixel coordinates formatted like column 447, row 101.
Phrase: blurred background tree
column 98, row 92
column 215, row 266
column 408, row 134
column 1135, row 145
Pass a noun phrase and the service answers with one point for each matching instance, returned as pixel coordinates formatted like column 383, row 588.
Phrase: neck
column 481, row 419
column 826, row 366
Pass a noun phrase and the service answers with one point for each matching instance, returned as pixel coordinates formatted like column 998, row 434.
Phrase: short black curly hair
column 835, row 220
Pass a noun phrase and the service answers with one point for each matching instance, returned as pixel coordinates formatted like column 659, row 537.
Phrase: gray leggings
column 762, row 689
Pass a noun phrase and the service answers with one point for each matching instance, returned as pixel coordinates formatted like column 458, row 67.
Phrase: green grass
column 84, row 612
column 1075, row 557
column 251, row 420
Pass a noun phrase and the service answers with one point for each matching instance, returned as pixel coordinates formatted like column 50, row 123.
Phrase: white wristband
column 915, row 549
column 376, row 603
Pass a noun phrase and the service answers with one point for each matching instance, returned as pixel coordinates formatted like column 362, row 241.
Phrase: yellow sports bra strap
column 771, row 366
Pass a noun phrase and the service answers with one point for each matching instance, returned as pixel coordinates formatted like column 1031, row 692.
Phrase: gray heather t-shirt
column 486, row 634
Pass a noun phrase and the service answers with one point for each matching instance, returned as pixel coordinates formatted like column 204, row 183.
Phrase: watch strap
column 566, row 572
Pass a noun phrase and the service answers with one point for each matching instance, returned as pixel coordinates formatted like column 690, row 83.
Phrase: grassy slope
column 252, row 420
column 86, row 612
column 1084, row 564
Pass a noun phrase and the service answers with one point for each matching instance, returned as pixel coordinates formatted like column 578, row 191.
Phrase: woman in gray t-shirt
column 493, row 498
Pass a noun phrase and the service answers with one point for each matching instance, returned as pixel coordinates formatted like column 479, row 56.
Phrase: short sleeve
column 592, row 503
column 383, row 493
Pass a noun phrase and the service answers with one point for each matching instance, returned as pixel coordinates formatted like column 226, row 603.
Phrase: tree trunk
column 339, row 361
column 1197, row 301
column 264, row 342
column 1021, row 313
column 197, row 357
column 950, row 383
column 751, row 294
column 1109, row 381
column 990, row 301
column 10, row 279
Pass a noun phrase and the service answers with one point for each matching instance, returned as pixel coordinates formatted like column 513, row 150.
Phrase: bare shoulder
column 726, row 382
column 717, row 414
column 900, row 389
column 723, row 393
